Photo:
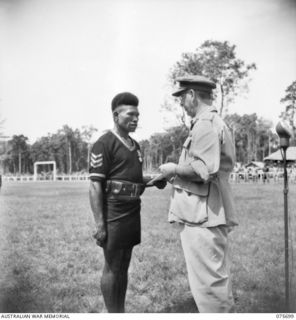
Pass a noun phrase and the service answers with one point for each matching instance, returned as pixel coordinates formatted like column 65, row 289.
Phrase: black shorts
column 124, row 232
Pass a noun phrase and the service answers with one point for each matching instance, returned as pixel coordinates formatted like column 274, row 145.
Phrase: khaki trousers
column 208, row 266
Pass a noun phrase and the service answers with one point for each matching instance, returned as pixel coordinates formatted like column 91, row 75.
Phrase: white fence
column 28, row 178
column 234, row 178
column 242, row 177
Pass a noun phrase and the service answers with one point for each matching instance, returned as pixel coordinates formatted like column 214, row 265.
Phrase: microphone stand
column 286, row 219
column 284, row 134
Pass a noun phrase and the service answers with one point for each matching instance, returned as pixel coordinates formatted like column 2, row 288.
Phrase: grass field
column 50, row 263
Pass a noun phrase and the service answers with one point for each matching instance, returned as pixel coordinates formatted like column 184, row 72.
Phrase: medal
column 139, row 156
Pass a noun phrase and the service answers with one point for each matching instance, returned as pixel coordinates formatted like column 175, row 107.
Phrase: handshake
column 196, row 171
column 168, row 171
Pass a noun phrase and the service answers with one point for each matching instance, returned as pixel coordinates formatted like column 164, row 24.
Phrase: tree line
column 68, row 147
column 253, row 136
column 253, row 139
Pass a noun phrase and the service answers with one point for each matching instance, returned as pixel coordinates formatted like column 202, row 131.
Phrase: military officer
column 202, row 201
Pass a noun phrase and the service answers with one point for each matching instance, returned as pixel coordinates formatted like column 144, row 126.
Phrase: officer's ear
column 115, row 116
column 192, row 93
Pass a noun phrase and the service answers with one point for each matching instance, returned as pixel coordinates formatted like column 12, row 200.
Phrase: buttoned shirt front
column 210, row 151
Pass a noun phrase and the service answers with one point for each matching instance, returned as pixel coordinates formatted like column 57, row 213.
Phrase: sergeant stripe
column 96, row 160
column 96, row 157
column 97, row 163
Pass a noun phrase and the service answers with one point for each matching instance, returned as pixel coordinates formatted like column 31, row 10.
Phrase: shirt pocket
column 189, row 207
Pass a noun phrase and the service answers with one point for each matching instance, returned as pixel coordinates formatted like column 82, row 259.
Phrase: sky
column 62, row 61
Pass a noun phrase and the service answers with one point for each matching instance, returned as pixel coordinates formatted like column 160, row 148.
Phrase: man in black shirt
column 116, row 183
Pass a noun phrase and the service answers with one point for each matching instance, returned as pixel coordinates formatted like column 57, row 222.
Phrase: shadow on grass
column 11, row 302
column 18, row 298
column 260, row 296
column 182, row 306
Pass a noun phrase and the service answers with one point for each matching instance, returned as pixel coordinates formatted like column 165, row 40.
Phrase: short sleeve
column 99, row 162
column 205, row 146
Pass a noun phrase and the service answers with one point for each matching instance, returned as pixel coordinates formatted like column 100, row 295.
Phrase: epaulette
column 207, row 116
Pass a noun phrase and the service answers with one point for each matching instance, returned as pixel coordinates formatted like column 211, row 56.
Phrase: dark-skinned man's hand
column 100, row 235
column 160, row 184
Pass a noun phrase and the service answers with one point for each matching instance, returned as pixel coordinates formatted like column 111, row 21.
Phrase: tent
column 277, row 156
column 255, row 164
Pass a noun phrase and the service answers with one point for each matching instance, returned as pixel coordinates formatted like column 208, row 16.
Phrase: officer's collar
column 201, row 112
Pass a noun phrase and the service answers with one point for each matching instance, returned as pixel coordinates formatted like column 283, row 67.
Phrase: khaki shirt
column 210, row 151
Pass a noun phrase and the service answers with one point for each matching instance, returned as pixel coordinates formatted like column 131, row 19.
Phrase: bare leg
column 115, row 277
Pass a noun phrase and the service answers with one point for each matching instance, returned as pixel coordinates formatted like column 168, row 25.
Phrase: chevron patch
column 96, row 160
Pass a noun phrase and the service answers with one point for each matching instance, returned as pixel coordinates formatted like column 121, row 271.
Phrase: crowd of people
column 272, row 172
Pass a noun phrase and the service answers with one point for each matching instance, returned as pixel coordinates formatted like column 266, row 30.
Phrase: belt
column 124, row 188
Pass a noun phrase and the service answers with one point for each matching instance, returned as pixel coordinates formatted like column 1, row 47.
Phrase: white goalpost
column 40, row 163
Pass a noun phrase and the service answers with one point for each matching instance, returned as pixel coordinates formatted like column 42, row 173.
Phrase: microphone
column 284, row 132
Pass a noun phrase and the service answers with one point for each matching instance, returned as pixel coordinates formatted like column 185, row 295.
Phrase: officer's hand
column 168, row 170
column 160, row 184
column 100, row 235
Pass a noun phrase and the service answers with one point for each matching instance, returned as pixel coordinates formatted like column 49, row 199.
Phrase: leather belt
column 124, row 188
